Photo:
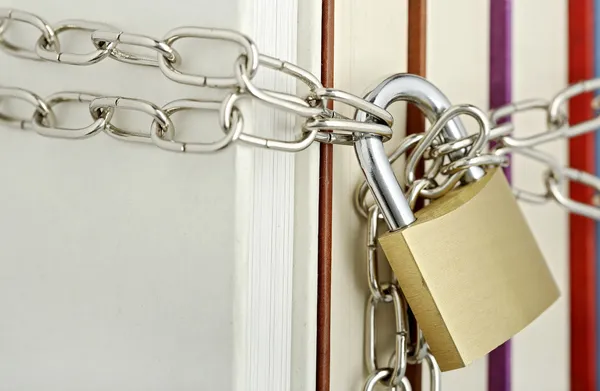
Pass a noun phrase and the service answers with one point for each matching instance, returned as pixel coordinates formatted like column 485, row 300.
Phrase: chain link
column 405, row 352
column 392, row 375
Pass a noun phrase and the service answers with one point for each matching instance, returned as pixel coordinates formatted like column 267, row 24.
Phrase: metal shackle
column 371, row 154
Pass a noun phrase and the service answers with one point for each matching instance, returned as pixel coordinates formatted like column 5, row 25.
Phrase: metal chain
column 555, row 177
column 319, row 123
column 413, row 352
column 393, row 374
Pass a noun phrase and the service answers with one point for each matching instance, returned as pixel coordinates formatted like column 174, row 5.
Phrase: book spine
column 500, row 83
column 582, row 230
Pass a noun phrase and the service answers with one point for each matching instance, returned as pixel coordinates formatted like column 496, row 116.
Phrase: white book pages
column 278, row 215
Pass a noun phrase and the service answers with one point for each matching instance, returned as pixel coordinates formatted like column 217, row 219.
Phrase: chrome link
column 289, row 69
column 462, row 164
column 46, row 51
column 418, row 350
column 345, row 125
column 534, row 154
column 398, row 369
column 3, row 25
column 250, row 54
column 101, row 108
column 432, row 134
column 557, row 113
column 553, row 181
column 42, row 126
column 336, row 139
column 287, row 102
column 332, row 94
column 157, row 133
column 342, row 130
column 7, row 15
column 103, row 40
column 417, row 188
column 40, row 106
column 435, row 375
column 226, row 116
column 375, row 378
column 507, row 111
column 442, row 149
column 380, row 376
column 377, row 293
column 558, row 123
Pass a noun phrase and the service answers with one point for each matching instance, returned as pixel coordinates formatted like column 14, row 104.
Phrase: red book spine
column 582, row 229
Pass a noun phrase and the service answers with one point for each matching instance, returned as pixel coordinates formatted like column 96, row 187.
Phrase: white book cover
column 123, row 266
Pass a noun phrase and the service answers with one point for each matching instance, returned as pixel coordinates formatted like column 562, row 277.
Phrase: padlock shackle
column 371, row 154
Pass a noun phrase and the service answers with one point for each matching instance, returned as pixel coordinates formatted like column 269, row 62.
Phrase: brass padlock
column 467, row 263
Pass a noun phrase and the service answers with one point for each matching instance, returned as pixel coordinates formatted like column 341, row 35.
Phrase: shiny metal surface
column 42, row 126
column 8, row 15
column 379, row 377
column 249, row 47
column 318, row 122
column 554, row 179
column 435, row 375
column 372, row 261
column 497, row 132
column 343, row 131
column 384, row 292
column 369, row 149
column 157, row 133
column 392, row 296
column 465, row 163
column 436, row 130
column 104, row 39
column 417, row 189
column 417, row 350
column 40, row 107
column 539, row 156
column 286, row 102
column 46, row 50
column 336, row 129
column 556, row 109
column 360, row 195
column 382, row 182
column 335, row 95
column 101, row 107
column 227, row 114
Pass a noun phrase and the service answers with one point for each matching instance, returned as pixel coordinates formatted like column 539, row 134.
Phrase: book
column 123, row 266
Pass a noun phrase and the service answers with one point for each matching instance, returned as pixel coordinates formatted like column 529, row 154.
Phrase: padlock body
column 471, row 270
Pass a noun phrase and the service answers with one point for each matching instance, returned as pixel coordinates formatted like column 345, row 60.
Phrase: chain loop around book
column 317, row 122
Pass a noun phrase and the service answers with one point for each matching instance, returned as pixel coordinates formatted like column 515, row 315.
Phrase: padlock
column 468, row 263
